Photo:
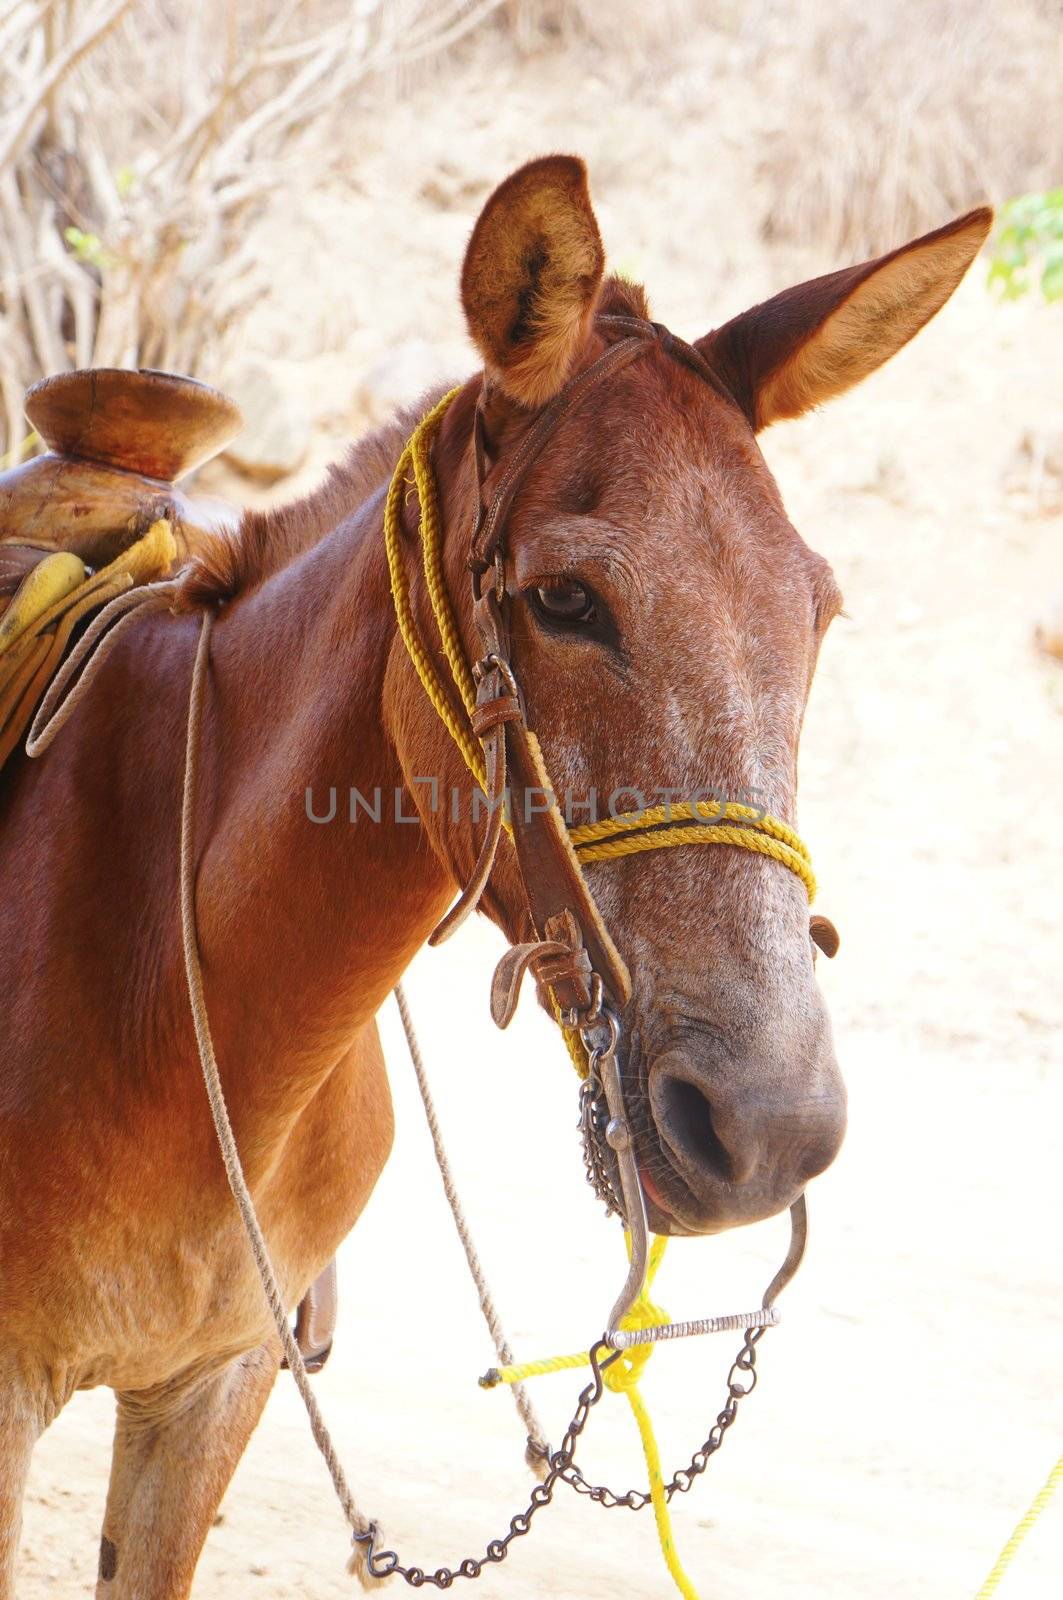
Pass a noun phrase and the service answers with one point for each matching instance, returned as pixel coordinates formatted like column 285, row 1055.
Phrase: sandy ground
column 910, row 1405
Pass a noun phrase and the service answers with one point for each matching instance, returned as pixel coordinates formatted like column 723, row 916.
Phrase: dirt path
column 911, row 1403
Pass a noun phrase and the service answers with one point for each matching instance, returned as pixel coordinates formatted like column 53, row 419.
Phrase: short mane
column 227, row 564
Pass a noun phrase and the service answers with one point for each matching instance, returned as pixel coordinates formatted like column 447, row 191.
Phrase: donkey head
column 666, row 620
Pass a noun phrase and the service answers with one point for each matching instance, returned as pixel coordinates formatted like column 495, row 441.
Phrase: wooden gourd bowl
column 118, row 442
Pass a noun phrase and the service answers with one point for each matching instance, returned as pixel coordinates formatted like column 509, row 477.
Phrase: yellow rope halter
column 634, row 831
column 629, row 833
column 417, row 455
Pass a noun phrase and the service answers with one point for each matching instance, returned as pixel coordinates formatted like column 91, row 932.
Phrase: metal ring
column 493, row 662
column 588, row 1030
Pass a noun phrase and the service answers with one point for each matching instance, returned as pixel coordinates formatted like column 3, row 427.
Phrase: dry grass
column 161, row 132
column 138, row 141
column 885, row 118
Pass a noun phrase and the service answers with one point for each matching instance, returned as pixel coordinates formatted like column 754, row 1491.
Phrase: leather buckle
column 493, row 662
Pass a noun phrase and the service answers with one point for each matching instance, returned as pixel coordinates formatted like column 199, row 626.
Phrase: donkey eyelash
column 553, row 580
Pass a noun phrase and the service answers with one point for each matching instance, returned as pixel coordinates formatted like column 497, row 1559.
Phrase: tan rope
column 357, row 1519
column 126, row 606
column 538, row 1450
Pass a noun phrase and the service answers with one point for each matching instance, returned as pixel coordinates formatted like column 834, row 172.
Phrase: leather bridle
column 580, row 972
column 573, row 954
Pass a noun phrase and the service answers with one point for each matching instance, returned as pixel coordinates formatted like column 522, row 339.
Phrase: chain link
column 560, row 1464
column 593, row 1117
column 600, row 1033
column 745, row 1363
column 385, row 1563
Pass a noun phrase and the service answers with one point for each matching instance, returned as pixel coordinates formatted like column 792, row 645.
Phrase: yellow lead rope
column 622, row 1377
column 1003, row 1561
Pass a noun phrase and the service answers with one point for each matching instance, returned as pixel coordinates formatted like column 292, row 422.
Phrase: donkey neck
column 317, row 888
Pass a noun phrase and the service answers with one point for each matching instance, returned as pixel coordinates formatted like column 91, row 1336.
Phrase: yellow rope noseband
column 629, row 833
column 698, row 822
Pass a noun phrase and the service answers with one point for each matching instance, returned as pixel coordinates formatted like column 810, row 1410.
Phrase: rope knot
column 623, row 1374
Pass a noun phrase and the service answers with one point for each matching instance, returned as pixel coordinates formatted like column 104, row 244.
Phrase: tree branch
column 25, row 116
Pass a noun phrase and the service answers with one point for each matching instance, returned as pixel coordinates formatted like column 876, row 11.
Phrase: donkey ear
column 531, row 277
column 816, row 340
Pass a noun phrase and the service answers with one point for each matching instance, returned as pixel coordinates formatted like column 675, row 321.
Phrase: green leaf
column 1052, row 279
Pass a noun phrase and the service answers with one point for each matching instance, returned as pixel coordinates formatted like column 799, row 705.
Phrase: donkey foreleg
column 174, row 1453
column 19, row 1431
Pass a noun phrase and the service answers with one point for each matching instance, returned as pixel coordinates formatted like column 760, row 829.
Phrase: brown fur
column 122, row 1257
column 226, row 564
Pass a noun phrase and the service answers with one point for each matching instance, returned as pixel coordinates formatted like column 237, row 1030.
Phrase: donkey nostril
column 684, row 1118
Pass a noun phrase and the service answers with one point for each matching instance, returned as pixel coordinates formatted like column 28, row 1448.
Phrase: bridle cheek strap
column 554, row 884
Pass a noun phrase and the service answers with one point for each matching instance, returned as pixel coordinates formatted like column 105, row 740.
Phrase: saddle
column 98, row 514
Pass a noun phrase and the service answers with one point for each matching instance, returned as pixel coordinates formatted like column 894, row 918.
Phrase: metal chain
column 683, row 1479
column 563, row 1469
column 593, row 1117
column 385, row 1563
column 560, row 1464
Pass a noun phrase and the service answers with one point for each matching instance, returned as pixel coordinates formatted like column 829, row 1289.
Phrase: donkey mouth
column 663, row 1213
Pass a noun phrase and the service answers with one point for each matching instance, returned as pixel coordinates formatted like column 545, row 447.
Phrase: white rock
column 407, row 372
column 276, row 436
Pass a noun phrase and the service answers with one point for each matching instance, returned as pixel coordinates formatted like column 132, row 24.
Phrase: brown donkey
column 665, row 618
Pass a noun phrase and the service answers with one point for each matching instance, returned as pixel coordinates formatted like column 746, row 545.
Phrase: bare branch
column 95, row 30
column 21, row 20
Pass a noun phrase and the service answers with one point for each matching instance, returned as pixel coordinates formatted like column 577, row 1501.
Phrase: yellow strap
column 1003, row 1561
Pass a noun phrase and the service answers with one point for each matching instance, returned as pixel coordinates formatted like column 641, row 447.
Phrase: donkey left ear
column 531, row 277
column 816, row 340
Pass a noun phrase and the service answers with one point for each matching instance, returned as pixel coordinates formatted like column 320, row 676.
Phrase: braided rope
column 746, row 838
column 125, row 603
column 538, row 1450
column 622, row 1377
column 1003, row 1561
column 432, row 548
column 706, row 811
column 415, row 455
column 358, row 1521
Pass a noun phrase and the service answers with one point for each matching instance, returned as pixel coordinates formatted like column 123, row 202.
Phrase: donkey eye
column 565, row 601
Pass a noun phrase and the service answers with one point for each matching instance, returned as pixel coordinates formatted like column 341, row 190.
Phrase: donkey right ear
column 531, row 278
